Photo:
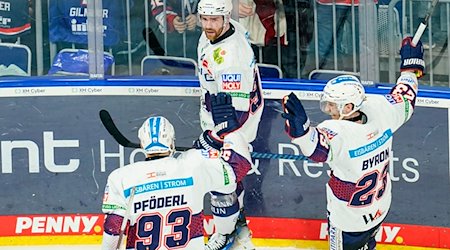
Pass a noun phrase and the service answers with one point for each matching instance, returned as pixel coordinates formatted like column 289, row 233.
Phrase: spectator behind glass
column 303, row 10
column 176, row 28
column 259, row 18
column 343, row 32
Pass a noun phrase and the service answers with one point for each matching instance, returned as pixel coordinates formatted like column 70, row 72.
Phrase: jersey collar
column 228, row 33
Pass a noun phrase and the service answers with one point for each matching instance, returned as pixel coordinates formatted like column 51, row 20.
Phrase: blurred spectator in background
column 343, row 21
column 299, row 35
column 179, row 23
column 259, row 17
column 325, row 28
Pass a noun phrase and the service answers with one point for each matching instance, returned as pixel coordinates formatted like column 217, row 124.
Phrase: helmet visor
column 325, row 103
column 328, row 107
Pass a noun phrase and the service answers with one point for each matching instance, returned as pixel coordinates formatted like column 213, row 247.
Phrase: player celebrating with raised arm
column 227, row 64
column 357, row 145
column 163, row 196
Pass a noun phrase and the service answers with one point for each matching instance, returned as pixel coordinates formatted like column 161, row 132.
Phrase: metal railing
column 355, row 31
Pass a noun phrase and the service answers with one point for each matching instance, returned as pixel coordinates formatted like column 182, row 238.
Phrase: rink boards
column 55, row 157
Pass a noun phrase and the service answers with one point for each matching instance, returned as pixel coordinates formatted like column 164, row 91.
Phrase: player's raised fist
column 297, row 122
column 412, row 57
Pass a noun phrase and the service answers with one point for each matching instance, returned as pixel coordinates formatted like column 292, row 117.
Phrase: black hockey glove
column 224, row 114
column 297, row 122
column 208, row 141
column 412, row 57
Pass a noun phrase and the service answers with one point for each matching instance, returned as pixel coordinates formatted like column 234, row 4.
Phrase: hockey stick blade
column 112, row 129
column 108, row 122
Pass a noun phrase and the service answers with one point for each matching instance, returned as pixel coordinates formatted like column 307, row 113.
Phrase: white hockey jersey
column 228, row 65
column 167, row 209
column 359, row 189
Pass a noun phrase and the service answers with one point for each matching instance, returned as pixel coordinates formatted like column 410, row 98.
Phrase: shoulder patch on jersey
column 372, row 134
column 218, row 55
column 155, row 174
column 231, row 81
column 226, row 177
column 330, row 134
column 212, row 153
column 205, row 70
column 112, row 207
column 240, row 95
column 406, row 79
column 393, row 98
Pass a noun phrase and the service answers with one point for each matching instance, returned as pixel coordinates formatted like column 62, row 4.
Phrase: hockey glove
column 208, row 141
column 412, row 57
column 297, row 122
column 224, row 114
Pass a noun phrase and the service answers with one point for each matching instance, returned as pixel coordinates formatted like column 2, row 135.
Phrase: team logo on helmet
column 215, row 7
column 343, row 90
column 157, row 135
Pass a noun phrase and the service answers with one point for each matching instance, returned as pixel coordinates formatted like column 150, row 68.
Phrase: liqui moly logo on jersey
column 231, row 81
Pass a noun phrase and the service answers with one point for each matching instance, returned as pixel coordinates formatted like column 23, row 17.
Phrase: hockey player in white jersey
column 357, row 145
column 163, row 196
column 227, row 64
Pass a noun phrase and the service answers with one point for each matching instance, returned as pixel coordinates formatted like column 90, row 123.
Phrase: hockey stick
column 423, row 25
column 108, row 123
column 112, row 129
column 125, row 218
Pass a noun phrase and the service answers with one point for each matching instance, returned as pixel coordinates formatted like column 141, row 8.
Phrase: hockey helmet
column 157, row 136
column 342, row 90
column 215, row 7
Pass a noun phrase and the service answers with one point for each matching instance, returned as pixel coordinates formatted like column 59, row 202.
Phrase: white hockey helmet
column 342, row 90
column 157, row 135
column 215, row 7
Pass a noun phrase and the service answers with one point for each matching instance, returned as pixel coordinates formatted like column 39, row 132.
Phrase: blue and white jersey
column 359, row 155
column 228, row 65
column 167, row 208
